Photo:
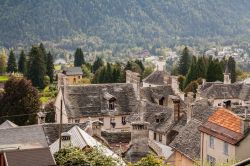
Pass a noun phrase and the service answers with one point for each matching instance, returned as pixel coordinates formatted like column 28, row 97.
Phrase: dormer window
column 111, row 104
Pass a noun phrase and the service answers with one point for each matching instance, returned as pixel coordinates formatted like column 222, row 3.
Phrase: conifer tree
column 97, row 64
column 214, row 71
column 108, row 74
column 3, row 62
column 50, row 67
column 37, row 66
column 231, row 67
column 79, row 58
column 184, row 62
column 11, row 66
column 201, row 68
column 192, row 72
column 22, row 68
column 44, row 53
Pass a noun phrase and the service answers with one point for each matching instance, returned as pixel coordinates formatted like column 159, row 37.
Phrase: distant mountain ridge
column 97, row 24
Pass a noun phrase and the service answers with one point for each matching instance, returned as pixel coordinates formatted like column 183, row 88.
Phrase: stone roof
column 187, row 141
column 24, row 137
column 152, row 93
column 7, row 124
column 72, row 71
column 156, row 78
column 30, row 157
column 164, row 114
column 241, row 111
column 90, row 100
column 221, row 91
column 51, row 130
column 245, row 92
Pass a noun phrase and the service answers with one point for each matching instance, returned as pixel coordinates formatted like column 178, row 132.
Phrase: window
column 160, row 137
column 154, row 136
column 111, row 105
column 79, row 77
column 211, row 160
column 77, row 120
column 112, row 121
column 124, row 120
column 225, row 151
column 102, row 120
column 74, row 80
column 211, row 142
column 157, row 120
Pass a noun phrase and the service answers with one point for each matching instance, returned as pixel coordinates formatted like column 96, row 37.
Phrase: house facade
column 224, row 138
column 70, row 76
column 109, row 103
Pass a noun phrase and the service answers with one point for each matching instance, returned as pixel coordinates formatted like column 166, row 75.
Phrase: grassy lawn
column 4, row 78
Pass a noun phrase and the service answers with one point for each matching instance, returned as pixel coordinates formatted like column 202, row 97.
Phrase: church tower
column 227, row 79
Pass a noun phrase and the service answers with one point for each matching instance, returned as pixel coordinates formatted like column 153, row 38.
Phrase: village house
column 219, row 92
column 70, row 76
column 108, row 103
column 224, row 137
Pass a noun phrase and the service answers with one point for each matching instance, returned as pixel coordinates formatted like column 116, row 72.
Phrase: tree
column 50, row 112
column 201, row 68
column 43, row 52
column 192, row 87
column 11, row 65
column 87, row 157
column 232, row 68
column 37, row 67
column 86, row 71
column 181, row 80
column 79, row 58
column 3, row 62
column 214, row 71
column 149, row 160
column 19, row 98
column 147, row 71
column 22, row 68
column 192, row 72
column 50, row 67
column 184, row 62
column 97, row 64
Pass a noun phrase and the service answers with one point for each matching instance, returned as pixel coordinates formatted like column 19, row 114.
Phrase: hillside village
column 129, row 121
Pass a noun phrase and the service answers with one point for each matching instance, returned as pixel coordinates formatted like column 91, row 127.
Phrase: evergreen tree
column 231, row 67
column 201, row 68
column 11, row 66
column 139, row 62
column 50, row 67
column 37, row 67
column 97, row 64
column 44, row 53
column 184, row 62
column 79, row 58
column 108, row 74
column 3, row 62
column 214, row 71
column 22, row 63
column 192, row 72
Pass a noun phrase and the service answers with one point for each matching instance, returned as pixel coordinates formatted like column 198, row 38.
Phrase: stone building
column 70, row 76
column 109, row 103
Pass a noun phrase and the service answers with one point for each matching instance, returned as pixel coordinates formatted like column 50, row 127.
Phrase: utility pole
column 60, row 127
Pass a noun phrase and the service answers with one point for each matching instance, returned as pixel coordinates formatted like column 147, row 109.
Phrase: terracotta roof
column 226, row 119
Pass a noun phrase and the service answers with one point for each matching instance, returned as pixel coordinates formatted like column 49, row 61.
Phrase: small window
column 211, row 142
column 102, row 120
column 124, row 120
column 79, row 77
column 154, row 136
column 160, row 137
column 211, row 160
column 111, row 105
column 112, row 121
column 225, row 148
column 157, row 120
column 77, row 120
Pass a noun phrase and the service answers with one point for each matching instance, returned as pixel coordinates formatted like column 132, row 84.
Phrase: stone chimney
column 227, row 104
column 190, row 98
column 189, row 111
column 40, row 117
column 134, row 78
column 97, row 128
column 66, row 139
column 160, row 64
column 245, row 123
column 226, row 74
column 174, row 104
column 139, row 137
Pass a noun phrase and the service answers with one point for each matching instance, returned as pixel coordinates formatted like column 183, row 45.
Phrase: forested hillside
column 99, row 24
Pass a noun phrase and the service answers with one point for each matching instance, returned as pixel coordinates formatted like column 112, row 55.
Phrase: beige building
column 224, row 137
column 70, row 76
column 109, row 103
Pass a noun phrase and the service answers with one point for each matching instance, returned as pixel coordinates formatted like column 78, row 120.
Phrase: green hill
column 99, row 24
